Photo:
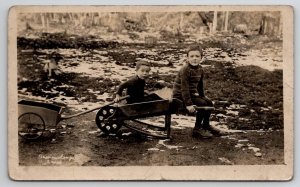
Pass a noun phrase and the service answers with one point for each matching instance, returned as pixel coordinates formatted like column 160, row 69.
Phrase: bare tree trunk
column 280, row 26
column 222, row 19
column 269, row 25
column 147, row 19
column 109, row 17
column 71, row 17
column 82, row 19
column 51, row 16
column 91, row 18
column 181, row 21
column 215, row 22
column 36, row 18
column 45, row 21
column 226, row 21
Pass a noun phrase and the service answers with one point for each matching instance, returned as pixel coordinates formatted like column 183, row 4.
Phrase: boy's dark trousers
column 202, row 116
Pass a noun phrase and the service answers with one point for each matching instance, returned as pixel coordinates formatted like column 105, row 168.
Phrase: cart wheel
column 31, row 126
column 108, row 127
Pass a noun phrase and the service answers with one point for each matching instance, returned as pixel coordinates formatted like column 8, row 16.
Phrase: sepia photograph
column 150, row 92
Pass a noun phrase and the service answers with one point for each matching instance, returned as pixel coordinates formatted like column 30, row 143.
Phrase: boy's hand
column 57, row 72
column 146, row 93
column 203, row 59
column 117, row 99
column 191, row 108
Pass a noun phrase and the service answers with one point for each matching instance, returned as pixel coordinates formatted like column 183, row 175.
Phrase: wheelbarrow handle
column 90, row 110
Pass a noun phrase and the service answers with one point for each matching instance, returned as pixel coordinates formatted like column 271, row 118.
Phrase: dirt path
column 78, row 142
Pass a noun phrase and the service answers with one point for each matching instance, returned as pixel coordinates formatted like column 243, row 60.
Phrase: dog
column 51, row 67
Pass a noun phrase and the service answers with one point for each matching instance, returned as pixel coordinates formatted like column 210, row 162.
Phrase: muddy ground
column 252, row 114
column 83, row 144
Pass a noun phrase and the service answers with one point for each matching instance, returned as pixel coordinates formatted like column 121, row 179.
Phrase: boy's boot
column 198, row 130
column 215, row 131
column 208, row 127
column 201, row 133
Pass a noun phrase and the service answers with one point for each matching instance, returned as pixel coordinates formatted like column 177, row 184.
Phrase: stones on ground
column 126, row 133
column 258, row 154
column 162, row 143
column 226, row 136
column 101, row 134
column 243, row 141
column 250, row 147
column 153, row 149
column 70, row 125
column 239, row 145
column 221, row 116
column 255, row 149
column 93, row 132
column 234, row 113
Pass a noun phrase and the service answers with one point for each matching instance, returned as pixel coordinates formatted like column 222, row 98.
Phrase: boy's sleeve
column 185, row 89
column 122, row 87
column 200, row 86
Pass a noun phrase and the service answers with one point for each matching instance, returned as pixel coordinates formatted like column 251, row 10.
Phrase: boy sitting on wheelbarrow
column 189, row 89
column 136, row 85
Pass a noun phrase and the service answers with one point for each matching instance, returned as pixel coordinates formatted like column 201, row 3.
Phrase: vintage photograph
column 135, row 92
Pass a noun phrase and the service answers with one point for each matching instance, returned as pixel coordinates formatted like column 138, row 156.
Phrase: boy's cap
column 195, row 47
column 140, row 63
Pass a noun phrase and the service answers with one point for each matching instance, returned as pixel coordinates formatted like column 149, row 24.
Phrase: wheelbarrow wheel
column 31, row 126
column 105, row 122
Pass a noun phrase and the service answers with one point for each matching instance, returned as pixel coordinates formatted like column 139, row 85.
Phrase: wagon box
column 145, row 109
column 50, row 113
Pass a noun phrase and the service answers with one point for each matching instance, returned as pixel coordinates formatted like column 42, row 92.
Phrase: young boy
column 188, row 88
column 136, row 84
column 51, row 67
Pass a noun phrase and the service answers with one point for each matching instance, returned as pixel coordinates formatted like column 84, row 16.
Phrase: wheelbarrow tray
column 144, row 109
column 50, row 113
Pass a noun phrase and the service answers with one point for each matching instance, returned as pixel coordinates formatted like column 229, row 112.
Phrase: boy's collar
column 138, row 77
column 194, row 67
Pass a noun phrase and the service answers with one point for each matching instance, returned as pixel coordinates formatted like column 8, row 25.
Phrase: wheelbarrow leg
column 168, row 124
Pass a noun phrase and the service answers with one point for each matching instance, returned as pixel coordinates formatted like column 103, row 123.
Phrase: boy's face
column 143, row 72
column 194, row 58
